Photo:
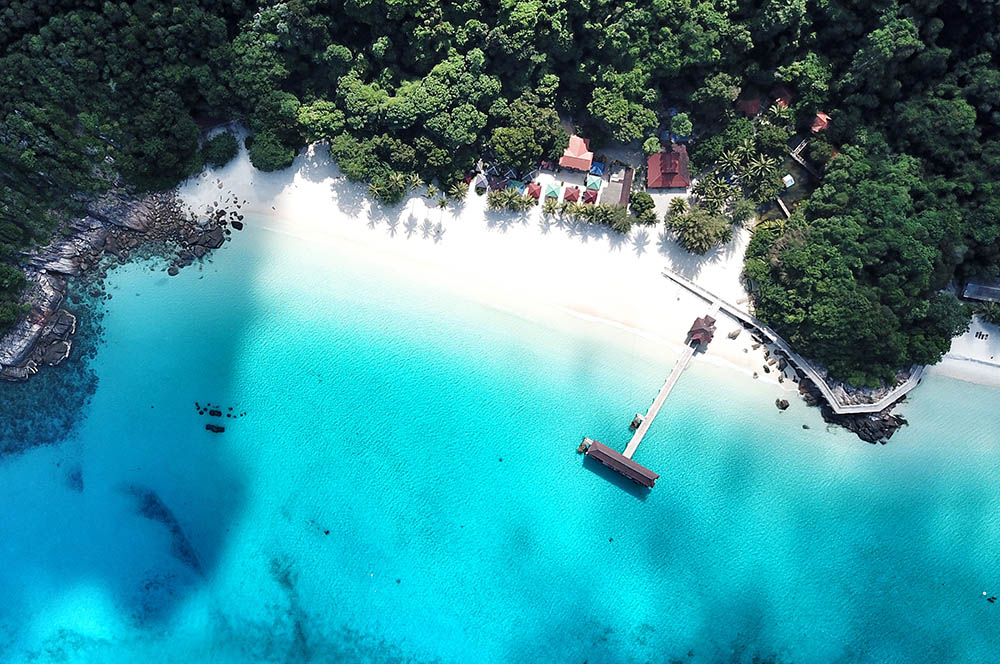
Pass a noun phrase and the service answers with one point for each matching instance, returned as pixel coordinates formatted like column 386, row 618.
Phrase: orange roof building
column 577, row 154
column 668, row 168
column 821, row 122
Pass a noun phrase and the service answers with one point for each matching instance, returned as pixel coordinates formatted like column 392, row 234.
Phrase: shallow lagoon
column 379, row 408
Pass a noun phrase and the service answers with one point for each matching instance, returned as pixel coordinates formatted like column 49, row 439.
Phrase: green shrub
column 219, row 149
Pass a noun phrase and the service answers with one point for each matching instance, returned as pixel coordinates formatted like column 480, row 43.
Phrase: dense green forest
column 94, row 90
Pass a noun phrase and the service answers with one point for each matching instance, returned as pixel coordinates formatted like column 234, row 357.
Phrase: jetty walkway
column 664, row 392
column 795, row 359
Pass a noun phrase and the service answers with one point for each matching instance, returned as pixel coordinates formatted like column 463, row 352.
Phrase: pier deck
column 661, row 397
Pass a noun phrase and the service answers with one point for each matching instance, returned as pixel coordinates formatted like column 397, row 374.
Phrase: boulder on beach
column 782, row 404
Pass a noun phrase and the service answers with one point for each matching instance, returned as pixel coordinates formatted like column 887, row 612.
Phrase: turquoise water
column 404, row 487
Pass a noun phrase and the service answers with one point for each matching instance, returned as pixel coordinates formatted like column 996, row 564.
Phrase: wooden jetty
column 698, row 337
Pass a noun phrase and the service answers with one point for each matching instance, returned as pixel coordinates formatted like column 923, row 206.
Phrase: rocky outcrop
column 869, row 427
column 114, row 227
column 782, row 404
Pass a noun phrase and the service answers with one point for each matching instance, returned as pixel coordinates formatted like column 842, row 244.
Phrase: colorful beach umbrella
column 552, row 191
column 597, row 168
column 593, row 182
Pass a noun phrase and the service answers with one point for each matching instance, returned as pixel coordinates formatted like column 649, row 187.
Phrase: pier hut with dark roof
column 702, row 330
column 620, row 463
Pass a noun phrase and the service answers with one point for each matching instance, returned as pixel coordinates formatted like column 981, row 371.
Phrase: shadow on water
column 616, row 479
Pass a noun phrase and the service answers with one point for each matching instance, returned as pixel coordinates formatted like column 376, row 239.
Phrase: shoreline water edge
column 593, row 273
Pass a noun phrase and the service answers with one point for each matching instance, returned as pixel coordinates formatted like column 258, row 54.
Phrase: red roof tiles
column 668, row 168
column 577, row 154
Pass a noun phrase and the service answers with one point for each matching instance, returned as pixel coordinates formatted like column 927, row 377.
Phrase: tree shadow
column 640, row 241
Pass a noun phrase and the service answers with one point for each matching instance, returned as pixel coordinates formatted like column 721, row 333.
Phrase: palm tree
column 760, row 165
column 442, row 202
column 431, row 191
column 677, row 206
column 375, row 190
column 458, row 191
column 415, row 181
column 779, row 115
column 990, row 312
column 747, row 149
column 550, row 206
column 730, row 161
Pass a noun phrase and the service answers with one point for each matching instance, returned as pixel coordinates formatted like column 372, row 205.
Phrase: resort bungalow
column 702, row 330
column 668, row 169
column 749, row 106
column 577, row 155
column 820, row 123
column 782, row 96
column 480, row 185
column 984, row 290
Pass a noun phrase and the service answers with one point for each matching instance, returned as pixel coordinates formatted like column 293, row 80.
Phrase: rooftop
column 622, row 464
column 668, row 168
column 577, row 154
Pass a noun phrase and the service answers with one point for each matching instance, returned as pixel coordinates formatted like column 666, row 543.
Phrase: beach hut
column 597, row 168
column 497, row 183
column 593, row 182
column 668, row 169
column 577, row 155
column 552, row 191
column 535, row 190
column 590, row 196
column 820, row 123
column 749, row 106
column 510, row 174
column 782, row 96
column 984, row 290
column 516, row 185
column 481, row 184
column 571, row 195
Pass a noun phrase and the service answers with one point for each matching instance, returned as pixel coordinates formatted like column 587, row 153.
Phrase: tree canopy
column 93, row 91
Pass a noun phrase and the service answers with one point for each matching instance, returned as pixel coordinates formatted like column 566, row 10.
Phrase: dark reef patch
column 74, row 479
column 153, row 508
column 46, row 409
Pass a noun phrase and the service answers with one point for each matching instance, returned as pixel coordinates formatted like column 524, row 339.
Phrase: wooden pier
column 661, row 397
column 698, row 337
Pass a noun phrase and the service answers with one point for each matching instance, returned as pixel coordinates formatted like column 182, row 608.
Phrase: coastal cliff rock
column 869, row 427
column 115, row 226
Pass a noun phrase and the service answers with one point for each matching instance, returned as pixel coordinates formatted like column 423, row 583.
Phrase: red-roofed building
column 668, row 169
column 782, row 96
column 572, row 195
column 702, row 330
column 749, row 107
column 821, row 122
column 577, row 154
column 535, row 190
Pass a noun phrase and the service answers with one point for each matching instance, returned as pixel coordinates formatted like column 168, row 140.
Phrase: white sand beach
column 511, row 260
column 974, row 356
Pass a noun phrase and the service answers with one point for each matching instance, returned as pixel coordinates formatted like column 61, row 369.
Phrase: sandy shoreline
column 515, row 260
